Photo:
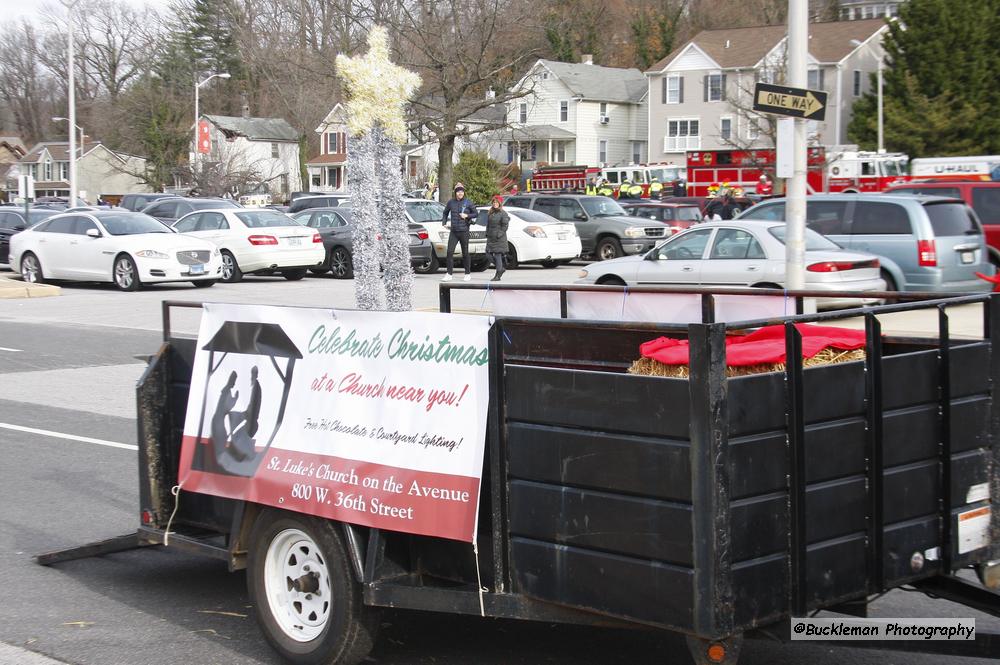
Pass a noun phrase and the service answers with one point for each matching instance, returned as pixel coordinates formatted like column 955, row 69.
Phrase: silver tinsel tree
column 377, row 91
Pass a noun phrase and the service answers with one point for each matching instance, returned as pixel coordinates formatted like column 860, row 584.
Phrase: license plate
column 560, row 236
column 968, row 257
column 197, row 270
column 295, row 242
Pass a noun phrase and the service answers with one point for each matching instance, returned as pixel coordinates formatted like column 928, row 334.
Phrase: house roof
column 255, row 129
column 58, row 150
column 745, row 47
column 319, row 160
column 536, row 133
column 594, row 82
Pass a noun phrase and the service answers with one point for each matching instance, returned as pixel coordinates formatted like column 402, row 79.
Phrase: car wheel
column 479, row 265
column 890, row 283
column 611, row 280
column 510, row 259
column 125, row 274
column 231, row 272
column 294, row 275
column 31, row 269
column 428, row 267
column 304, row 594
column 550, row 263
column 204, row 283
column 341, row 263
column 609, row 248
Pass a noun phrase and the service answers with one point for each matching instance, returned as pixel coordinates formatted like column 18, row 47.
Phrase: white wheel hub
column 297, row 585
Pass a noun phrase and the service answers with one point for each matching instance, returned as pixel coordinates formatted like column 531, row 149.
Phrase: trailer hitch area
column 308, row 583
column 989, row 574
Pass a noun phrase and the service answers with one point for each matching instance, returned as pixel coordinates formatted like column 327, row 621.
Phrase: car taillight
column 263, row 240
column 838, row 266
column 926, row 253
column 423, row 235
column 317, row 237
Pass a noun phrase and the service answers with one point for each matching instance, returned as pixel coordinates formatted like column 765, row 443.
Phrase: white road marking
column 69, row 437
column 4, row 348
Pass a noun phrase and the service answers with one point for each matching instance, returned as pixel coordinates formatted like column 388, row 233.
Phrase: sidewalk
column 11, row 655
column 15, row 288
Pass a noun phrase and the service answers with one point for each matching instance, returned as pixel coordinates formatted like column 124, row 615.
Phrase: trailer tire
column 301, row 624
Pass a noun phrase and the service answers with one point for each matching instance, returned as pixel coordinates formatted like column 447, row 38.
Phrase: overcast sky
column 32, row 9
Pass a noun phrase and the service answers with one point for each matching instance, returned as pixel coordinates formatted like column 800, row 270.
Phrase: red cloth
column 763, row 346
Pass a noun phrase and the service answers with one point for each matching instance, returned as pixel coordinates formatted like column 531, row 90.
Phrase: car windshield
column 814, row 241
column 214, row 203
column 425, row 211
column 689, row 213
column 667, row 174
column 131, row 223
column 263, row 219
column 38, row 216
column 601, row 206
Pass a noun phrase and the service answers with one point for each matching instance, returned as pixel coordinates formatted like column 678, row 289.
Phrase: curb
column 12, row 655
column 12, row 288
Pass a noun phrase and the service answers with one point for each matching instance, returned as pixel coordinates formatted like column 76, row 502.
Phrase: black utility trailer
column 711, row 506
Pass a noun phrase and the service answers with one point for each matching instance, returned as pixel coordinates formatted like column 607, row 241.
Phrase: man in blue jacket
column 460, row 212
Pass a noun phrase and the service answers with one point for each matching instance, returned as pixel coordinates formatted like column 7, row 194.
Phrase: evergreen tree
column 940, row 94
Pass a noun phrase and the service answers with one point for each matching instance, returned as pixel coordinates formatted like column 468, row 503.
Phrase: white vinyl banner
column 373, row 418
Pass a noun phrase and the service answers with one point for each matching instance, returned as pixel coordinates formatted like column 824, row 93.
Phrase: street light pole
column 70, row 6
column 881, row 128
column 798, row 53
column 79, row 129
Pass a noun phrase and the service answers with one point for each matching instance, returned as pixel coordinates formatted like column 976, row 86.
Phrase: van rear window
column 986, row 203
column 951, row 219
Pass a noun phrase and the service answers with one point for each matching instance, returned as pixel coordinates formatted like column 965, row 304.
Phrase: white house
column 577, row 113
column 328, row 169
column 266, row 147
column 701, row 94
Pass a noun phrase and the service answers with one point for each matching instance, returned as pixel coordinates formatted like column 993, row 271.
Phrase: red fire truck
column 551, row 179
column 847, row 171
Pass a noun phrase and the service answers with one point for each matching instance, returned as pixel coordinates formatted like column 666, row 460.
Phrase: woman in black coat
column 497, row 221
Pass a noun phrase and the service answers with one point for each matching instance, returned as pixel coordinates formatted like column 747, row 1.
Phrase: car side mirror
column 582, row 216
column 93, row 233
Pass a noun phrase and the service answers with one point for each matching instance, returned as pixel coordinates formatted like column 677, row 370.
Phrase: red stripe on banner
column 365, row 493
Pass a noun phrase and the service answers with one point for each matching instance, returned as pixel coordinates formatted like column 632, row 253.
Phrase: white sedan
column 534, row 237
column 257, row 241
column 741, row 254
column 127, row 248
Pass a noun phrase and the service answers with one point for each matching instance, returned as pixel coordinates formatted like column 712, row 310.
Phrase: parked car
column 316, row 201
column 534, row 237
column 256, row 241
column 169, row 210
column 13, row 221
column 430, row 216
column 984, row 197
column 336, row 226
column 702, row 201
column 737, row 254
column 924, row 243
column 127, row 248
column 136, row 202
column 606, row 230
column 678, row 216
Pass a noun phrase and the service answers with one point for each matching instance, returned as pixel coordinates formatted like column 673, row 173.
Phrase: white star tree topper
column 377, row 89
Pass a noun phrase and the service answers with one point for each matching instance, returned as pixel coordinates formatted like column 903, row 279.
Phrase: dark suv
column 169, row 210
column 136, row 202
column 316, row 201
column 606, row 230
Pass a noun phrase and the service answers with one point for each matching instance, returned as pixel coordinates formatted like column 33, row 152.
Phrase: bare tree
column 24, row 87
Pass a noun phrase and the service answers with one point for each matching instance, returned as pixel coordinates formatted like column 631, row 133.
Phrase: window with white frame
column 674, row 90
column 563, row 111
column 857, row 83
column 725, row 128
column 753, row 129
column 48, row 172
column 602, row 156
column 274, row 151
column 522, row 112
column 637, row 152
column 604, row 110
column 715, row 85
column 814, row 80
column 682, row 134
column 560, row 151
column 64, row 170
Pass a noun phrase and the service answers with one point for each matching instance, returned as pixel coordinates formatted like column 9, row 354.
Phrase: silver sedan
column 740, row 254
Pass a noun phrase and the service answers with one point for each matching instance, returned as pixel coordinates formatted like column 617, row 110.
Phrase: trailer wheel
column 306, row 599
column 715, row 652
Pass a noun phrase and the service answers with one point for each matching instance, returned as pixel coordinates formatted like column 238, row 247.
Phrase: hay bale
column 828, row 356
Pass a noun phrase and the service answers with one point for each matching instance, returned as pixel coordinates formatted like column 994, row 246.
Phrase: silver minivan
column 925, row 243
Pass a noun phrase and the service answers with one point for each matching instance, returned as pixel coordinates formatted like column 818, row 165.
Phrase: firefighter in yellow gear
column 623, row 189
column 605, row 189
column 655, row 189
column 591, row 188
column 634, row 191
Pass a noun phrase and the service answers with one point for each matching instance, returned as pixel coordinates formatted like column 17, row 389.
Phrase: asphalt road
column 68, row 367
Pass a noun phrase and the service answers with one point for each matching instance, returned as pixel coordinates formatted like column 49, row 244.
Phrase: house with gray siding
column 576, row 113
column 700, row 95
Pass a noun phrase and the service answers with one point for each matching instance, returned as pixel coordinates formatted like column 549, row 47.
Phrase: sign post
column 26, row 191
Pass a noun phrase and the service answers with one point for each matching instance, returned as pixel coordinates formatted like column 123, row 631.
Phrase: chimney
column 727, row 43
column 587, row 59
column 246, row 105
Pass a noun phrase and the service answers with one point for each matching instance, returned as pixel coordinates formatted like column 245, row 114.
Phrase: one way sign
column 792, row 102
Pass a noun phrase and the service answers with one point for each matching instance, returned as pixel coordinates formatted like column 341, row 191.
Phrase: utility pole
column 70, row 6
column 795, row 201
